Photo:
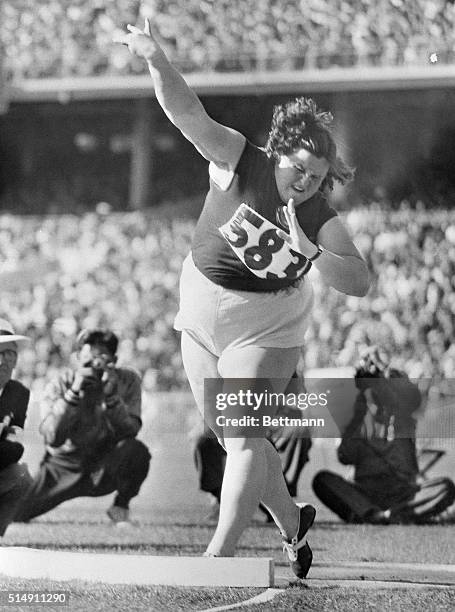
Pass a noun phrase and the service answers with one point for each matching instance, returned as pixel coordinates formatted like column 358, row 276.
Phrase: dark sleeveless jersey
column 254, row 185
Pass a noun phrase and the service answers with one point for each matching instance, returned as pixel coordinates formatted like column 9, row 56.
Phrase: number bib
column 255, row 241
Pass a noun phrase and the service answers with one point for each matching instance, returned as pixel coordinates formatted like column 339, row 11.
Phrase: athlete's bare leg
column 253, row 468
column 199, row 364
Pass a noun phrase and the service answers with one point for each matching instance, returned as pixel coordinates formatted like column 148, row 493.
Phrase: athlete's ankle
column 291, row 525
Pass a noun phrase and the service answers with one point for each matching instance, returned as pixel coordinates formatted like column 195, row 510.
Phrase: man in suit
column 15, row 479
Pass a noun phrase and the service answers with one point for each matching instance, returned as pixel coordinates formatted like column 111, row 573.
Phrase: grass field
column 87, row 597
column 333, row 545
column 169, row 517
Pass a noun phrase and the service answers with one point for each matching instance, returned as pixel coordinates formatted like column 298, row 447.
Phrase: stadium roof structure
column 368, row 78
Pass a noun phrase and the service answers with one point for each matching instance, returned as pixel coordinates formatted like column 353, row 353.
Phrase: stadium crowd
column 121, row 270
column 410, row 307
column 58, row 39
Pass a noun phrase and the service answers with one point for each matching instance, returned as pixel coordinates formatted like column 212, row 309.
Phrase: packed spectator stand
column 62, row 39
column 121, row 270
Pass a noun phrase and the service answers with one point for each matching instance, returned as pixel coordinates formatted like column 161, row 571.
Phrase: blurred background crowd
column 121, row 270
column 59, row 39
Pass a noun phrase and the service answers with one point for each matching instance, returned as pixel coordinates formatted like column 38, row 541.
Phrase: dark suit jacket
column 13, row 402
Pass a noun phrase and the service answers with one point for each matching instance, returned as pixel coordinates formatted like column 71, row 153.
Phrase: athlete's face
column 299, row 175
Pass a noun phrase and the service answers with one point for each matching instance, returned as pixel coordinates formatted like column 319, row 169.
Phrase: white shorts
column 221, row 319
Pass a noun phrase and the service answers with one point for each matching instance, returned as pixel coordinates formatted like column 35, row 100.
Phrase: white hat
column 7, row 333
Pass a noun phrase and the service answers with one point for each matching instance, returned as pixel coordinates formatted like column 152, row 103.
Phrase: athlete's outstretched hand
column 297, row 239
column 141, row 42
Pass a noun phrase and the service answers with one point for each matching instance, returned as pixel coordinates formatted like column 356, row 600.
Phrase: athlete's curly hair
column 299, row 124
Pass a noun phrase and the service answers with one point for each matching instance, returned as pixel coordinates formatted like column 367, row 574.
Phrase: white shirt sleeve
column 220, row 176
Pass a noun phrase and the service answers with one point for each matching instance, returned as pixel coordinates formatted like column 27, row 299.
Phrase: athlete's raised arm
column 216, row 142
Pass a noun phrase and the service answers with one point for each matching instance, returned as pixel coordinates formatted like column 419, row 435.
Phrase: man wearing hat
column 14, row 477
column 92, row 415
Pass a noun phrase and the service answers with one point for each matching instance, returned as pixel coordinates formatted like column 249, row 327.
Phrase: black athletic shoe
column 298, row 550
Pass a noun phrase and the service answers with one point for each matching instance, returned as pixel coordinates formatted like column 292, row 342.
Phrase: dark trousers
column 123, row 469
column 15, row 482
column 353, row 505
column 293, row 453
column 344, row 498
column 210, row 459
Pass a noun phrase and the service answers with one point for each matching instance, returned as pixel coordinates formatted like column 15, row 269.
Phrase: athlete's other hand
column 296, row 239
column 140, row 42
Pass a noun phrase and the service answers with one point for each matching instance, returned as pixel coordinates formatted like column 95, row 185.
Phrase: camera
column 99, row 372
column 368, row 369
column 97, row 369
column 98, row 365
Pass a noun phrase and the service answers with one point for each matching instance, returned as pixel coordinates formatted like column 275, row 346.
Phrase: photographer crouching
column 379, row 442
column 91, row 418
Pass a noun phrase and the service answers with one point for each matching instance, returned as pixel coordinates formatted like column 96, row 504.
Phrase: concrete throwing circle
column 115, row 568
column 118, row 568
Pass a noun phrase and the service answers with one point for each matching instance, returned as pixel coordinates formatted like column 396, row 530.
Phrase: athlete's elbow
column 357, row 282
column 362, row 283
